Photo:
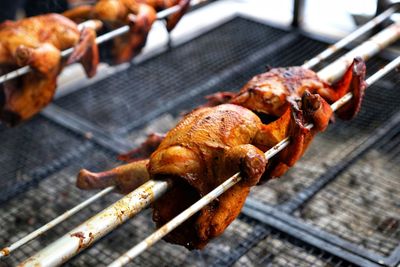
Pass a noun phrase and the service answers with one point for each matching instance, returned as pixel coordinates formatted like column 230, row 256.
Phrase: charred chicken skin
column 37, row 42
column 207, row 147
column 117, row 13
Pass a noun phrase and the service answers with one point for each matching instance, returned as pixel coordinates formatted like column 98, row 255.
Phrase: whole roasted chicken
column 37, row 42
column 117, row 13
column 267, row 93
column 207, row 147
column 211, row 144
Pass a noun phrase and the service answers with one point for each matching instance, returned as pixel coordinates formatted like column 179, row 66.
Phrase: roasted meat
column 160, row 5
column 37, row 42
column 215, row 141
column 207, row 147
column 267, row 93
column 117, row 13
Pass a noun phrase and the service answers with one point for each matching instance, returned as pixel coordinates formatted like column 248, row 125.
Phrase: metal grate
column 51, row 197
column 32, row 151
column 363, row 204
column 277, row 249
column 164, row 254
column 158, row 90
column 127, row 96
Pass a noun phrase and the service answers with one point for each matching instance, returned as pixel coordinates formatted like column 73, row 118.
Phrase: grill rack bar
column 99, row 40
column 207, row 199
column 390, row 33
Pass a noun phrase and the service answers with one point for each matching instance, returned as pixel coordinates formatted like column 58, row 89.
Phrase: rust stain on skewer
column 81, row 237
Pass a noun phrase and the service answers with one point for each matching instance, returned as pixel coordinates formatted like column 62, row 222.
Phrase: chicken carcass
column 37, row 42
column 207, row 147
column 117, row 13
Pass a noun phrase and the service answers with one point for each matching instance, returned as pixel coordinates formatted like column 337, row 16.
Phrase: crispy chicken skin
column 117, row 13
column 207, row 147
column 37, row 42
column 267, row 93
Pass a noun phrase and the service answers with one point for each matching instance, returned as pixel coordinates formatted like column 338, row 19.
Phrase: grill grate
column 158, row 90
column 363, row 204
column 32, row 151
column 279, row 250
column 158, row 81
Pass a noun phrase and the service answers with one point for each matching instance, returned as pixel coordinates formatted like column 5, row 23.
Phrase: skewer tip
column 4, row 252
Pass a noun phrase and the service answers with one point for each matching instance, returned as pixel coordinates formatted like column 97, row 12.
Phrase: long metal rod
column 7, row 250
column 100, row 39
column 207, row 199
column 367, row 49
column 283, row 142
column 349, row 38
column 99, row 225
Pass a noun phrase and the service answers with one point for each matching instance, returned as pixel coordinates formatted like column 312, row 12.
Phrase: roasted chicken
column 37, row 42
column 212, row 143
column 267, row 93
column 160, row 5
column 207, row 147
column 117, row 13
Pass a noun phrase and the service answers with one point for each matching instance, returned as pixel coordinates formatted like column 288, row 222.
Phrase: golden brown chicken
column 267, row 93
column 212, row 143
column 37, row 42
column 160, row 5
column 117, row 13
column 207, row 147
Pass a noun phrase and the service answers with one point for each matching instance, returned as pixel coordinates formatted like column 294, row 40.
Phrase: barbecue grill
column 338, row 206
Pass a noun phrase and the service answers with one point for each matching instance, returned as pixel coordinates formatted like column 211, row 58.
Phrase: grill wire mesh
column 162, row 88
column 362, row 204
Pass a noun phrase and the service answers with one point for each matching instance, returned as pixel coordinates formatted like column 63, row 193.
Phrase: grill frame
column 271, row 216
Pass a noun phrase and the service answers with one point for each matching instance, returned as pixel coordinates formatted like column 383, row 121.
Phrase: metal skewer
column 85, row 234
column 51, row 251
column 349, row 38
column 100, row 39
column 367, row 49
column 7, row 250
column 207, row 199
